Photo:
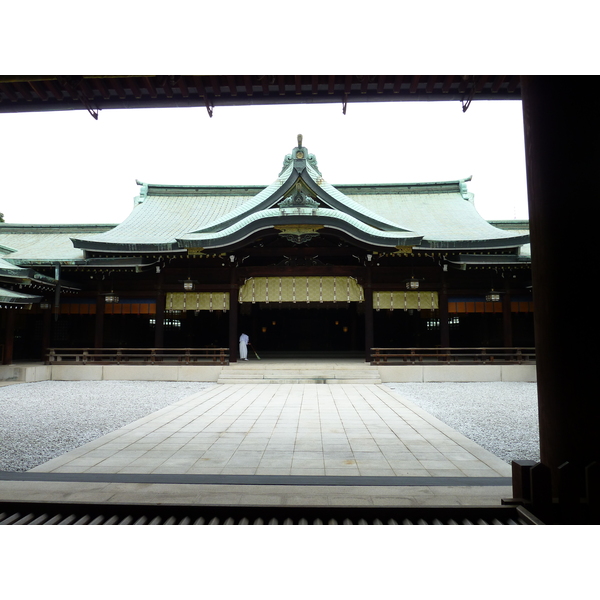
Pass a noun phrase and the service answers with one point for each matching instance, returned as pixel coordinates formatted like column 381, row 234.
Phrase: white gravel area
column 502, row 417
column 40, row 421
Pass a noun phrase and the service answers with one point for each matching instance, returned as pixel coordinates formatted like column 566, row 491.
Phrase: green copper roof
column 171, row 218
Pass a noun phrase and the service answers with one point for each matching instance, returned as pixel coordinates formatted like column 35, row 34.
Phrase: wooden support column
column 444, row 323
column 159, row 323
column 46, row 332
column 562, row 128
column 233, row 317
column 507, row 319
column 9, row 337
column 99, row 322
column 369, row 331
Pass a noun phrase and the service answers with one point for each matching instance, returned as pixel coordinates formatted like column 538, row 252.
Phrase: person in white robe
column 244, row 341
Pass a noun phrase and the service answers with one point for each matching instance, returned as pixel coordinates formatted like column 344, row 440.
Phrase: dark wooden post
column 233, row 315
column 99, row 321
column 369, row 331
column 159, row 321
column 46, row 331
column 562, row 128
column 9, row 337
column 507, row 318
column 444, row 324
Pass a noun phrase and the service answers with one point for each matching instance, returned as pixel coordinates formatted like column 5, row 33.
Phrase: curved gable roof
column 173, row 218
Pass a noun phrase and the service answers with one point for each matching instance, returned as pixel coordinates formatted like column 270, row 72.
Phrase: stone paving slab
column 261, row 495
column 286, row 429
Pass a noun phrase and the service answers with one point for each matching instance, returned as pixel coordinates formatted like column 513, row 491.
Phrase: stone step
column 326, row 376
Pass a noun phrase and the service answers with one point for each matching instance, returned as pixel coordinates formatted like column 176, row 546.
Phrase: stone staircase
column 326, row 373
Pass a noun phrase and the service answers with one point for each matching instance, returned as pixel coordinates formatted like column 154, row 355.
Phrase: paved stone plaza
column 318, row 434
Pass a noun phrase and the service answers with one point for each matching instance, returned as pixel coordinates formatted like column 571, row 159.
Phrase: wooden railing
column 395, row 356
column 145, row 356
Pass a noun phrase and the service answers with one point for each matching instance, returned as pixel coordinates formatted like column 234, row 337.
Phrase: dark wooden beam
column 498, row 81
column 39, row 90
column 9, row 92
column 135, row 90
column 431, row 81
column 414, row 84
column 331, row 84
column 99, row 85
column 248, row 85
column 448, row 80
column 118, row 88
column 232, row 86
column 199, row 86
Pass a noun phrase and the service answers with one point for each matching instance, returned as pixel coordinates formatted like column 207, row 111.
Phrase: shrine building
column 304, row 267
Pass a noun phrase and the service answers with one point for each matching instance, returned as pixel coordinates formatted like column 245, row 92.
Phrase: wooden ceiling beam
column 24, row 91
column 364, row 84
column 55, row 90
column 515, row 80
column 99, row 85
column 480, row 82
column 248, row 85
column 431, row 81
column 183, row 87
column 397, row 84
column 347, row 84
column 86, row 89
column 39, row 90
column 135, row 90
column 314, row 89
column 232, row 85
column 448, row 81
column 264, row 84
column 150, row 87
column 167, row 88
column 331, row 84
column 118, row 88
column 498, row 83
column 9, row 92
column 66, row 84
column 464, row 84
column 414, row 84
column 216, row 87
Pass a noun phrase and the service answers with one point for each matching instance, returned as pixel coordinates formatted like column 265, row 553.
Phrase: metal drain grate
column 40, row 513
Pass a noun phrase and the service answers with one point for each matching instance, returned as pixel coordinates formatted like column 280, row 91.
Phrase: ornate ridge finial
column 299, row 140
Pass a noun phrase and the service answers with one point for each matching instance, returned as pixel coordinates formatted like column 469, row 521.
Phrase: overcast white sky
column 66, row 167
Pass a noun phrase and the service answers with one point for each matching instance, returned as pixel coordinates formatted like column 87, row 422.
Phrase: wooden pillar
column 562, row 128
column 444, row 318
column 369, row 331
column 46, row 332
column 9, row 336
column 507, row 319
column 234, row 335
column 159, row 327
column 99, row 321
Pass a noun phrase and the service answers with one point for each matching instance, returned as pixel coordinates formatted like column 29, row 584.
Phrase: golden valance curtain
column 405, row 300
column 197, row 301
column 301, row 289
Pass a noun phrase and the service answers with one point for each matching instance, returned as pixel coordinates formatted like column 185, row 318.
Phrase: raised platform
column 283, row 370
